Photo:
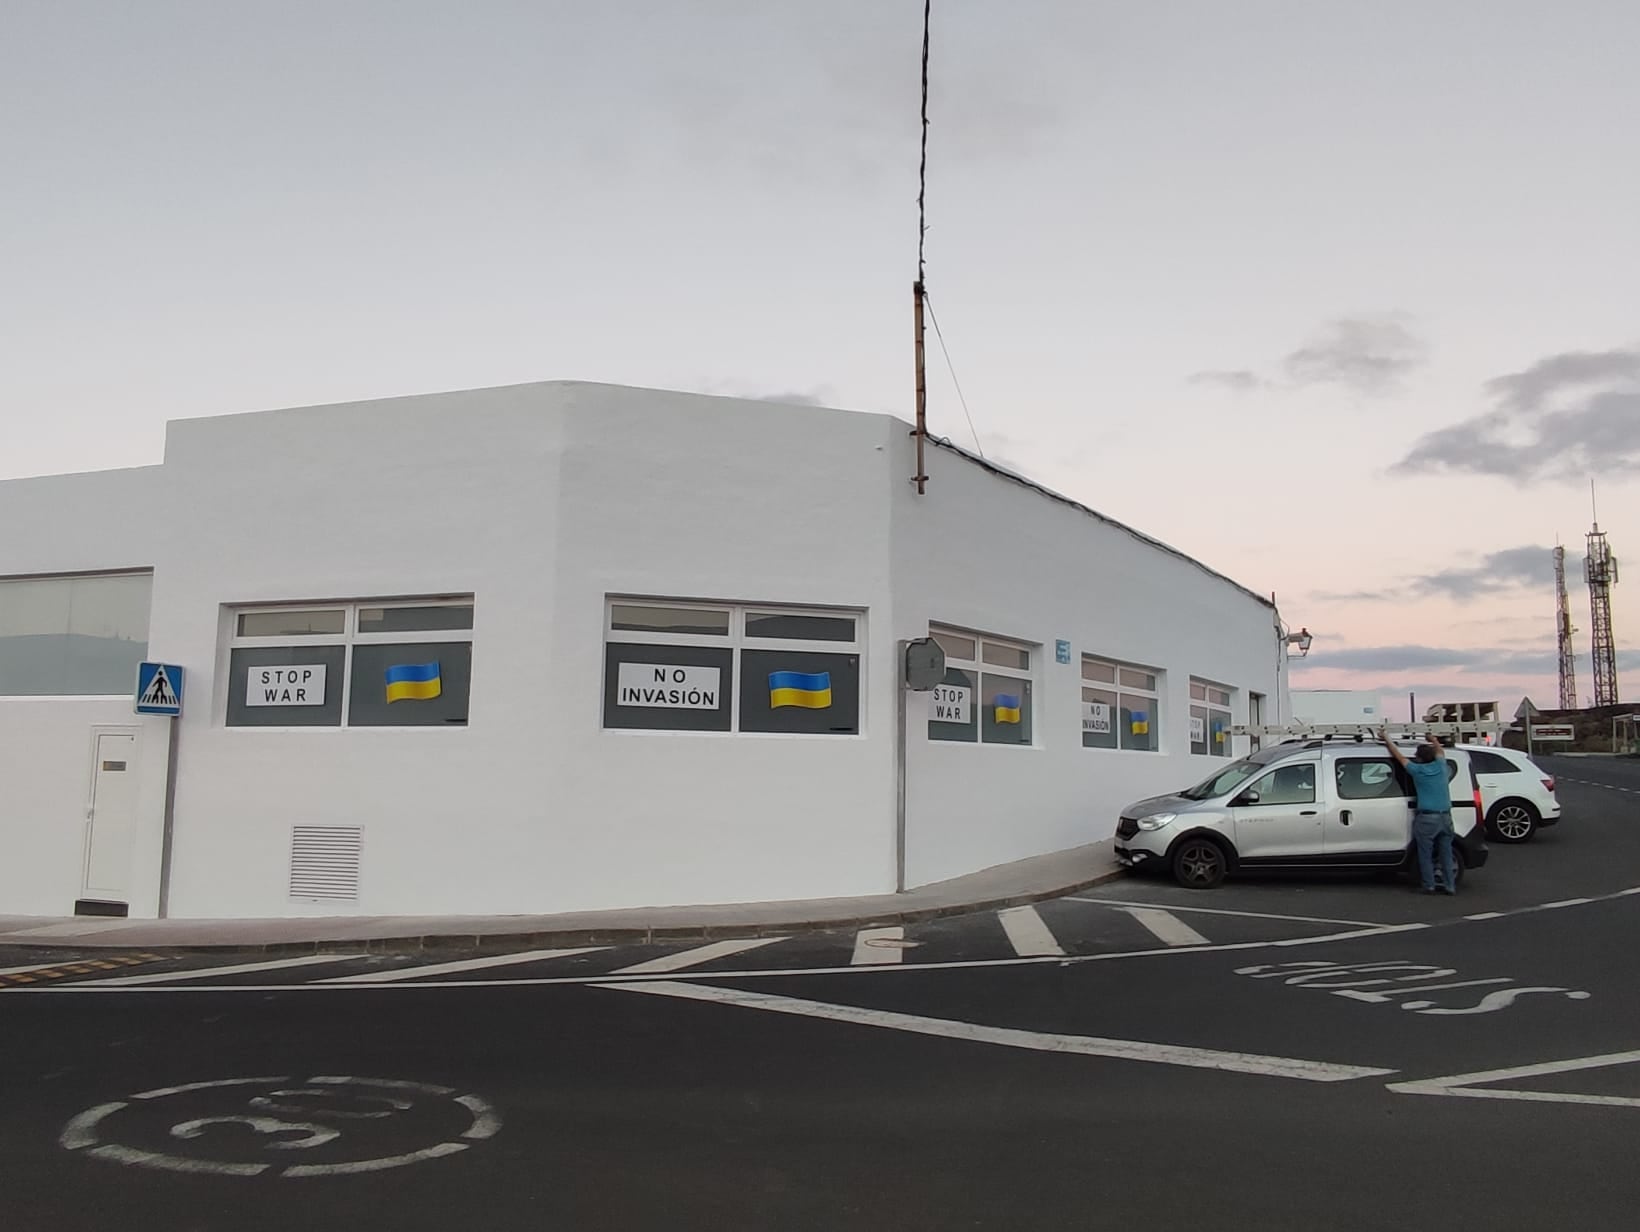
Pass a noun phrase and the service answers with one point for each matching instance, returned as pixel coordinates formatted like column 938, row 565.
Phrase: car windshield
column 1231, row 777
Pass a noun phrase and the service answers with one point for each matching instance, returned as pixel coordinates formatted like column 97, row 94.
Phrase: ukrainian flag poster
column 420, row 682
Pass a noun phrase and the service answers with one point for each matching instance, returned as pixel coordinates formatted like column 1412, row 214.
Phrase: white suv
column 1305, row 804
column 1517, row 796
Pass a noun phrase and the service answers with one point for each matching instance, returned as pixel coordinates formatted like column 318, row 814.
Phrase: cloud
column 1464, row 660
column 1512, row 568
column 1236, row 380
column 1369, row 354
column 1524, row 567
column 1366, row 354
column 1566, row 417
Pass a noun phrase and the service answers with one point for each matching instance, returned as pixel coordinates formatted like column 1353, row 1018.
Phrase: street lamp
column 1302, row 640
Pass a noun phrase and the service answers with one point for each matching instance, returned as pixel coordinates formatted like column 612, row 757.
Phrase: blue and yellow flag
column 1141, row 723
column 1007, row 708
column 414, row 682
column 811, row 690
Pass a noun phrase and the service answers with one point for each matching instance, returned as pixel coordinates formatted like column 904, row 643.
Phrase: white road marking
column 1038, row 1041
column 695, row 957
column 171, row 977
column 957, row 965
column 82, row 1130
column 1379, row 997
column 162, row 1092
column 1565, row 902
column 1484, row 915
column 1467, row 1085
column 874, row 947
column 1166, row 927
column 466, row 964
column 1251, row 915
column 1625, row 893
column 375, row 1165
column 485, row 1121
column 1027, row 932
column 34, row 966
column 173, row 1163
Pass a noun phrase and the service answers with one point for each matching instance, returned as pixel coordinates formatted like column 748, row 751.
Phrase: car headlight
column 1156, row 821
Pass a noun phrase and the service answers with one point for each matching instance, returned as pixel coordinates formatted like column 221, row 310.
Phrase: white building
column 588, row 596
column 1337, row 706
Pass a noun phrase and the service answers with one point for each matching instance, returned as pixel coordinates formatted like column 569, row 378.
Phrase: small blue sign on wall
column 1062, row 651
column 159, row 688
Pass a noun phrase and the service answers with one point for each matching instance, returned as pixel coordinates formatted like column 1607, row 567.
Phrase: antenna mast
column 1600, row 572
column 917, row 292
column 1563, row 634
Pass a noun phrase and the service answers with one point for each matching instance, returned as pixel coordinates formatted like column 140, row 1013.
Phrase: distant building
column 1336, row 706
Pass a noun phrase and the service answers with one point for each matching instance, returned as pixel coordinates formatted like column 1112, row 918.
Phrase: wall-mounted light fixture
column 1302, row 640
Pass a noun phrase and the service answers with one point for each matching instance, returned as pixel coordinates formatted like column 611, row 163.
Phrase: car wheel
column 1200, row 864
column 1513, row 821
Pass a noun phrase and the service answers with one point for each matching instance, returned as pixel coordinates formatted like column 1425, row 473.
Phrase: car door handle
column 1308, row 812
column 1344, row 817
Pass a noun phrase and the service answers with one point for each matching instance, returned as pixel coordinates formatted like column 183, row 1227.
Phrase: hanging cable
column 951, row 368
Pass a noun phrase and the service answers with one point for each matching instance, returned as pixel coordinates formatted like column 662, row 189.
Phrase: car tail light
column 1479, row 812
column 1549, row 785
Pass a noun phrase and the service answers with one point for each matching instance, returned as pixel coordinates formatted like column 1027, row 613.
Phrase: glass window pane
column 1100, row 719
column 799, row 691
column 800, row 628
column 292, row 624
column 1288, row 785
column 1000, row 655
column 953, row 707
column 1005, row 709
column 668, row 688
column 1198, row 730
column 1198, row 692
column 1132, row 678
column 1218, row 733
column 1218, row 697
column 955, row 647
column 285, row 686
column 1367, row 778
column 704, row 622
column 415, row 619
column 81, row 636
column 1092, row 669
column 406, row 684
column 1141, row 722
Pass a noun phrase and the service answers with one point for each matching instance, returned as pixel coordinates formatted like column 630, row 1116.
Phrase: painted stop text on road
column 1384, row 983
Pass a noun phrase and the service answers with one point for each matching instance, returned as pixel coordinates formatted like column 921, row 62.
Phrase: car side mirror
column 1246, row 797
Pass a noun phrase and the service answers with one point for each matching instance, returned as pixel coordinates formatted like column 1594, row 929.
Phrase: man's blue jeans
column 1433, row 834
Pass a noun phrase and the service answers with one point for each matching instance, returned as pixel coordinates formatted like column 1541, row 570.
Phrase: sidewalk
column 1006, row 885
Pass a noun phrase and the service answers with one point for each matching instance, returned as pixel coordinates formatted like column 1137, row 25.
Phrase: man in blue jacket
column 1432, row 829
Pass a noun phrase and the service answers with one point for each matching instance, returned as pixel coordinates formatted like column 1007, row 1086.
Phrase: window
column 985, row 696
column 1121, row 706
column 375, row 664
column 1492, row 763
column 675, row 667
column 1288, row 785
column 1370, row 778
column 73, row 636
column 1209, row 718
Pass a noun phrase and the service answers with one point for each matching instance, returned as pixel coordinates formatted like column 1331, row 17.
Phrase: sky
column 1342, row 299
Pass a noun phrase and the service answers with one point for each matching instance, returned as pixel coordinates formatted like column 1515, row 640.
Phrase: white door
column 1370, row 813
column 111, row 816
column 1277, row 818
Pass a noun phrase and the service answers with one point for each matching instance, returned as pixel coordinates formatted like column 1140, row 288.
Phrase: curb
column 563, row 938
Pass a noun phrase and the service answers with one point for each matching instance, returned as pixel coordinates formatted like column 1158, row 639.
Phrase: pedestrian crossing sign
column 159, row 688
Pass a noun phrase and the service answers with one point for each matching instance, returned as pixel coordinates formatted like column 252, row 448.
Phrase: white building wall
column 540, row 501
column 983, row 552
column 96, row 522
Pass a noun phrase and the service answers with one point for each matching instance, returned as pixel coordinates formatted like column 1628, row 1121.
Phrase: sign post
column 159, row 691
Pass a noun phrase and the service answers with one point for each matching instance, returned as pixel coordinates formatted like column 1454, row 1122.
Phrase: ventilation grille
column 324, row 862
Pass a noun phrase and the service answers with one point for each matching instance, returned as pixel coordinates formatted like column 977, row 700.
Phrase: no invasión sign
column 669, row 686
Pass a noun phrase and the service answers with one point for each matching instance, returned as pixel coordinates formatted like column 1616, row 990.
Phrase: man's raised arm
column 1400, row 757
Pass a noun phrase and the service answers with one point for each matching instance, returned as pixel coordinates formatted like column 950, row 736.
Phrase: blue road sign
column 159, row 688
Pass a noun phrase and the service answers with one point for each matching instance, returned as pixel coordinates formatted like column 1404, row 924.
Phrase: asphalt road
column 1276, row 1054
